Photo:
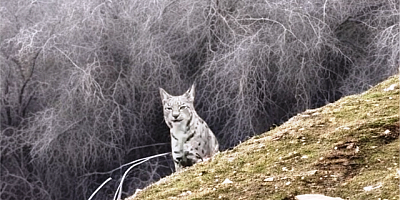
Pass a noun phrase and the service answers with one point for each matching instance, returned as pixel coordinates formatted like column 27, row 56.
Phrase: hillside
column 347, row 149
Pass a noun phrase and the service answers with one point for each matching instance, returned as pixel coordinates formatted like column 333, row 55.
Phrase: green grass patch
column 347, row 149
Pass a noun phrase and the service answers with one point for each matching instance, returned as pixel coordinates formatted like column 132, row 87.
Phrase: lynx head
column 178, row 109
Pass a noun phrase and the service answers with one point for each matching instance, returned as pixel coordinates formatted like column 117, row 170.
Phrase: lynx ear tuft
column 164, row 95
column 190, row 93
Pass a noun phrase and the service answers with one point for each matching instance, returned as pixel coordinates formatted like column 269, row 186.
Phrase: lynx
column 192, row 141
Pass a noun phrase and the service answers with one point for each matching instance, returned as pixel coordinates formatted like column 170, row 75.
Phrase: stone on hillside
column 315, row 197
column 227, row 181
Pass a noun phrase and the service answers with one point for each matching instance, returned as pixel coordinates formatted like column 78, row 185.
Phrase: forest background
column 79, row 79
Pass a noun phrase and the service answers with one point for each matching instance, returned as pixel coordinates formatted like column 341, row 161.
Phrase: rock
column 291, row 155
column 372, row 187
column 390, row 88
column 315, row 197
column 270, row 179
column 227, row 181
column 187, row 193
column 312, row 172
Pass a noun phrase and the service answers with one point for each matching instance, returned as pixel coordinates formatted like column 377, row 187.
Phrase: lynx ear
column 164, row 95
column 190, row 93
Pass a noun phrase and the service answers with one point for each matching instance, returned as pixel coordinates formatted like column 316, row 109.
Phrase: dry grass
column 342, row 149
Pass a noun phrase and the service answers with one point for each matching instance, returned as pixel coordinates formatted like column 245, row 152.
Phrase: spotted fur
column 192, row 141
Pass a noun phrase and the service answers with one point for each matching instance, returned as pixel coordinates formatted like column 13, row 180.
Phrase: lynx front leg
column 177, row 168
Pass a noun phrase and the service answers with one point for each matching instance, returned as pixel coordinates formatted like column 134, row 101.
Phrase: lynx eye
column 182, row 107
column 168, row 108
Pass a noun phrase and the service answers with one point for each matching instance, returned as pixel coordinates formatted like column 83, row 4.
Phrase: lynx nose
column 175, row 114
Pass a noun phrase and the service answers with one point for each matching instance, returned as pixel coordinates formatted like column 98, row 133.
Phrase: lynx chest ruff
column 192, row 140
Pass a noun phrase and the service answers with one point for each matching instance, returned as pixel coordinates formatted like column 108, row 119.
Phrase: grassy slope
column 336, row 150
